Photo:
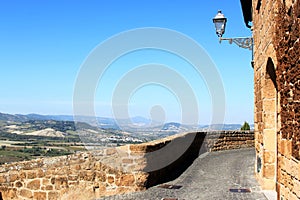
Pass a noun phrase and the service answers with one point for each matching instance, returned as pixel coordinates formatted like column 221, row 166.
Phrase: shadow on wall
column 271, row 73
column 190, row 146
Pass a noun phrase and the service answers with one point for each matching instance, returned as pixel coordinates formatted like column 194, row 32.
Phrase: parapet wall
column 92, row 174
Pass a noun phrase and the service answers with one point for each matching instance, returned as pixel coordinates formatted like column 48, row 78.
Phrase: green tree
column 245, row 127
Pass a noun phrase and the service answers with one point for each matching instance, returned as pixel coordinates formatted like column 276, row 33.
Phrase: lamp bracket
column 243, row 42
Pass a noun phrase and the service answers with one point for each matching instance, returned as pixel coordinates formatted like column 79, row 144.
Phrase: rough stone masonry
column 276, row 32
column 90, row 175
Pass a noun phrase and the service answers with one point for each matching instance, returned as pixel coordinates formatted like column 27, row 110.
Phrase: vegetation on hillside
column 22, row 139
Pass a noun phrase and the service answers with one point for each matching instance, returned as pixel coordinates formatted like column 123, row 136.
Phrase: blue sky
column 44, row 43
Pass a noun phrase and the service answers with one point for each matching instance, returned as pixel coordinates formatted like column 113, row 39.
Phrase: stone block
column 138, row 148
column 284, row 192
column 258, row 137
column 77, row 167
column 269, row 105
column 100, row 176
column 141, row 179
column 72, row 183
column 3, row 178
column 22, row 175
column 31, row 174
column 61, row 182
column 294, row 168
column 292, row 196
column 72, row 177
column 13, row 177
column 126, row 180
column 298, row 172
column 26, row 193
column 82, row 174
column 123, row 151
column 112, row 170
column 127, row 161
column 86, row 193
column 90, row 175
column 269, row 120
column 9, row 193
column 99, row 189
column 40, row 196
column 284, row 178
column 281, row 162
column 53, row 195
column 45, row 181
column 286, row 148
column 98, row 166
column 49, row 187
column 290, row 183
column 296, row 188
column 40, row 173
column 268, row 184
column 269, row 157
column 261, row 126
column 269, row 139
column 34, row 184
column 49, row 172
column 61, row 171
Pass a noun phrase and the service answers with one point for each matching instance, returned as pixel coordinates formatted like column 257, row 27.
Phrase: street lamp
column 220, row 24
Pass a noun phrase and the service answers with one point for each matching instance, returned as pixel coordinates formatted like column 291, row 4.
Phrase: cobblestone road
column 211, row 176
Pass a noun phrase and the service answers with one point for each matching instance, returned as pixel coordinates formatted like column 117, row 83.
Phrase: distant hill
column 16, row 118
column 51, row 117
column 23, row 118
column 135, row 124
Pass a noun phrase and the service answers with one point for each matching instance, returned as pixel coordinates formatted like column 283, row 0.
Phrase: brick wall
column 277, row 95
column 112, row 171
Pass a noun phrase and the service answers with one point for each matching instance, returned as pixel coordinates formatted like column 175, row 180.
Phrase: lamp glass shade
column 220, row 23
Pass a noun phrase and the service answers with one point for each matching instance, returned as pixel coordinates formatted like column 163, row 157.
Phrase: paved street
column 210, row 177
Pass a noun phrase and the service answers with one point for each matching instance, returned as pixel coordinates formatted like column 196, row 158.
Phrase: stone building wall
column 265, row 96
column 277, row 95
column 287, row 44
column 129, row 168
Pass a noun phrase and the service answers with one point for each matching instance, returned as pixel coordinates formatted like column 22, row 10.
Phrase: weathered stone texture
column 288, row 78
column 89, row 175
column 277, row 105
column 288, row 73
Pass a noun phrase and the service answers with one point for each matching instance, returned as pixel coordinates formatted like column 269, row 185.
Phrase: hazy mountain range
column 135, row 124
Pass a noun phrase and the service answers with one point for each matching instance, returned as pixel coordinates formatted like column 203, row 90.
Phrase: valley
column 25, row 137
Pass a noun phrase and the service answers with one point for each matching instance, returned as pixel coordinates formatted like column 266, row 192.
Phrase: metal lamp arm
column 244, row 42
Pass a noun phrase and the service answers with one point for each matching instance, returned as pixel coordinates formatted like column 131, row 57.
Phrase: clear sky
column 44, row 43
